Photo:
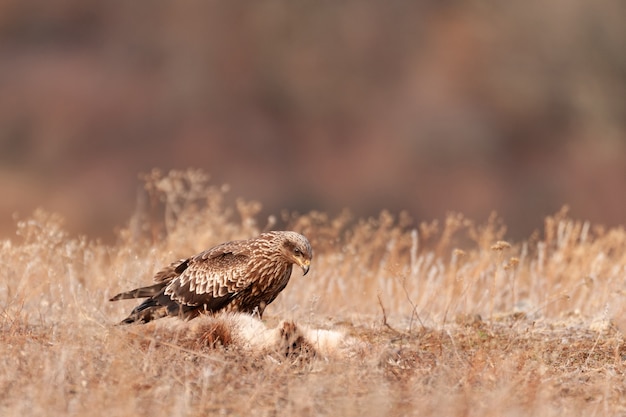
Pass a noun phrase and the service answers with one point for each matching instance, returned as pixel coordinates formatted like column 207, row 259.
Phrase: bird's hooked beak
column 305, row 265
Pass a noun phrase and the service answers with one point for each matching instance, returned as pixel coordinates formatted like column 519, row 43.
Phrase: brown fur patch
column 213, row 334
column 293, row 343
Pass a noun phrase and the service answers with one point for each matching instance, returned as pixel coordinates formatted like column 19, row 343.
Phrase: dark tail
column 147, row 311
column 156, row 306
column 142, row 292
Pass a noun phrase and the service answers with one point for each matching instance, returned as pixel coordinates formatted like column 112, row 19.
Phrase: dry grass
column 452, row 319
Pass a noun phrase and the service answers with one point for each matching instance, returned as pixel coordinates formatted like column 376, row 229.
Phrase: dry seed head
column 501, row 245
column 513, row 262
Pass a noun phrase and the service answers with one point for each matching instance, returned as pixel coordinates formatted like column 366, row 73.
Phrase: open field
column 449, row 318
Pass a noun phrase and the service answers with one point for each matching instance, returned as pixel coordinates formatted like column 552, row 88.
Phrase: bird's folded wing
column 210, row 276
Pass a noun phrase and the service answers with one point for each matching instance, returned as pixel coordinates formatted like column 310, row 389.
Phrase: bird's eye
column 297, row 252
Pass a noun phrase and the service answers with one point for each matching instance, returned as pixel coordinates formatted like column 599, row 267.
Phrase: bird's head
column 297, row 250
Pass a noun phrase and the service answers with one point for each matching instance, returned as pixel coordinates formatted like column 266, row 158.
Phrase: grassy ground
column 452, row 319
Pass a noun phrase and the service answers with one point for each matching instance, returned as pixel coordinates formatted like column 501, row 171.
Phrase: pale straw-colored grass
column 451, row 318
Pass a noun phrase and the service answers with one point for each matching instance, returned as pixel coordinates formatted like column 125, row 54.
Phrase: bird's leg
column 258, row 310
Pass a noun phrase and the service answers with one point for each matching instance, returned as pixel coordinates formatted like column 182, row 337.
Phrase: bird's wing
column 171, row 271
column 212, row 277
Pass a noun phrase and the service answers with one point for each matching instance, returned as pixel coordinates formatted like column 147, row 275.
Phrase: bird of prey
column 241, row 275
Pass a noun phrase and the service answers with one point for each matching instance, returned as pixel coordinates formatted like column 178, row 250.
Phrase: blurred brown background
column 428, row 106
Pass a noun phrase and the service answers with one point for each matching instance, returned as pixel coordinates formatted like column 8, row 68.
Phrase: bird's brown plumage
column 242, row 275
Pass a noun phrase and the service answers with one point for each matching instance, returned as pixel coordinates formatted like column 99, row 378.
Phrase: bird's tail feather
column 147, row 311
column 142, row 292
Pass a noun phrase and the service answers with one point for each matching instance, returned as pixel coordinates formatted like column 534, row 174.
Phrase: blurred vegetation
column 422, row 106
